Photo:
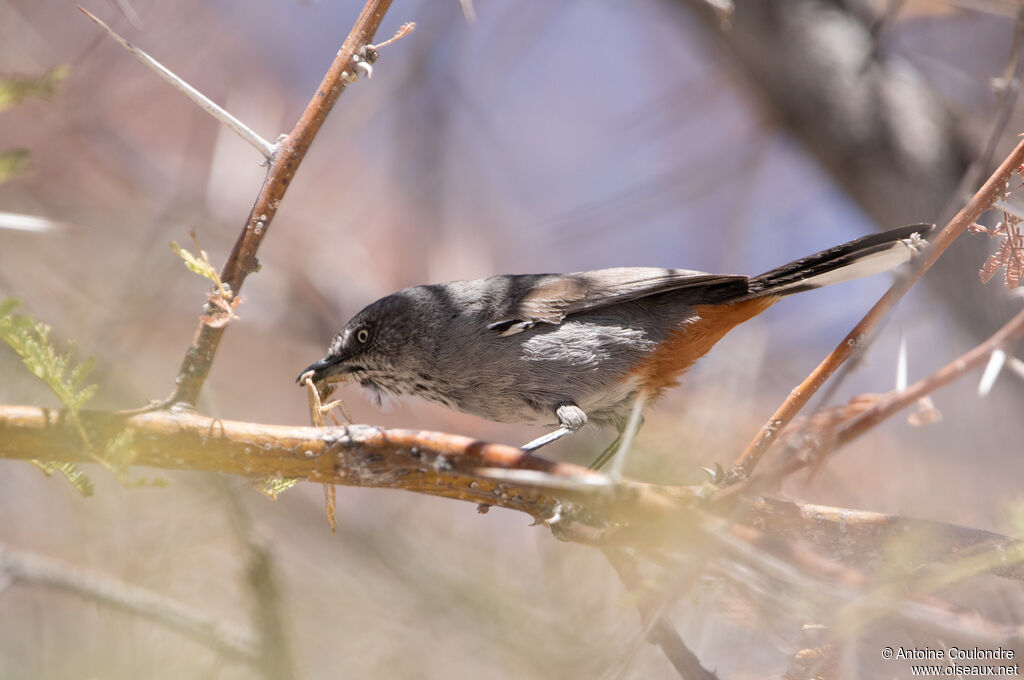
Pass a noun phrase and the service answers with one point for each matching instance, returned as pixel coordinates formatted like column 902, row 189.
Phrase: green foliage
column 197, row 265
column 1016, row 513
column 70, row 472
column 222, row 303
column 30, row 340
column 12, row 162
column 15, row 88
column 121, row 454
column 275, row 486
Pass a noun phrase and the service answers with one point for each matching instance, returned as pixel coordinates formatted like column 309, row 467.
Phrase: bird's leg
column 619, row 449
column 571, row 418
column 609, row 450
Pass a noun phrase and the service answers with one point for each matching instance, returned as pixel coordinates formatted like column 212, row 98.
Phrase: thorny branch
column 354, row 54
column 894, row 402
column 993, row 189
column 36, row 569
column 238, row 127
column 625, row 513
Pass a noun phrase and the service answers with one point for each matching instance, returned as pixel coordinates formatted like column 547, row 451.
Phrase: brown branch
column 894, row 402
column 860, row 537
column 628, row 514
column 843, row 425
column 275, row 662
column 207, row 630
column 291, row 150
column 1006, row 95
column 979, row 203
column 817, row 574
column 662, row 632
column 433, row 463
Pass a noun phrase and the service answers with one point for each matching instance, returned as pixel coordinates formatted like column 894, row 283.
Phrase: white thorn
column 1017, row 366
column 901, row 364
column 992, row 370
column 19, row 222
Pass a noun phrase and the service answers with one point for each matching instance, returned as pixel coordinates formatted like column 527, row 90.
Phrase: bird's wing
column 549, row 298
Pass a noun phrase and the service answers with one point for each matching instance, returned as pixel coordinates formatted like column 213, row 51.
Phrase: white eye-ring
column 362, row 335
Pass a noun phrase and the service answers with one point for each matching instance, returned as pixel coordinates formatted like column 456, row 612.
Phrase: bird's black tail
column 865, row 256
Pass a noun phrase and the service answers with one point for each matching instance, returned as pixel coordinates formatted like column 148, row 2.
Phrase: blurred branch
column 859, row 537
column 667, row 522
column 992, row 190
column 354, row 56
column 129, row 13
column 197, row 97
column 821, row 577
column 276, row 660
column 894, row 402
column 356, row 455
column 207, row 630
column 1007, row 89
column 661, row 631
column 873, row 122
column 889, row 139
column 810, row 440
column 625, row 513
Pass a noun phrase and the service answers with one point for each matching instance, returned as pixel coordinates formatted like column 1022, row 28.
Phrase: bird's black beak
column 325, row 368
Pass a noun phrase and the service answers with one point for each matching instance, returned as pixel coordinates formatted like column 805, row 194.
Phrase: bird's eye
column 362, row 335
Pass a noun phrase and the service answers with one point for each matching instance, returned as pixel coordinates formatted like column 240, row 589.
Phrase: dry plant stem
column 427, row 462
column 978, row 204
column 207, row 630
column 894, row 402
column 626, row 515
column 859, row 538
column 819, row 575
column 197, row 97
column 265, row 595
column 291, row 150
column 883, row 408
column 662, row 632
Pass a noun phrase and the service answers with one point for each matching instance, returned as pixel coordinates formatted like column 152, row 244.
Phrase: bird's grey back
column 591, row 329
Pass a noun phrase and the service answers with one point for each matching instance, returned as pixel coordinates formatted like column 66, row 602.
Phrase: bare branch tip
column 403, row 30
column 102, row 24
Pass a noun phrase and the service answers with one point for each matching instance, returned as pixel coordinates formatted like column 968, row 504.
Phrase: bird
column 564, row 350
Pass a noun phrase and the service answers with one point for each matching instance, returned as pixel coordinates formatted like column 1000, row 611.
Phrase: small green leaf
column 12, row 162
column 14, row 89
column 195, row 264
column 31, row 341
column 120, row 456
column 70, row 471
column 7, row 306
column 120, row 451
column 274, row 487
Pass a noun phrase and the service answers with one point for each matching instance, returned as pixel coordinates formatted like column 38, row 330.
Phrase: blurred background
column 537, row 137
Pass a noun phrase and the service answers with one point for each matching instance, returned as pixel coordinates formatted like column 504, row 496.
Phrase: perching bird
column 567, row 349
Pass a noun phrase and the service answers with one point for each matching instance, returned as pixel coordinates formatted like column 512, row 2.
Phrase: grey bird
column 566, row 349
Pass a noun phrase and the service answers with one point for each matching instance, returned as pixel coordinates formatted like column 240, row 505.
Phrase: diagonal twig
column 658, row 628
column 897, row 401
column 356, row 51
column 197, row 97
column 276, row 660
column 979, row 203
column 207, row 630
